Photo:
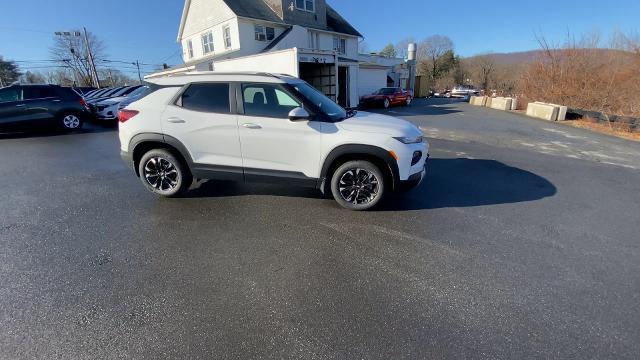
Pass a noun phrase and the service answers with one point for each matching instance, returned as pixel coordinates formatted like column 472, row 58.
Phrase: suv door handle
column 252, row 126
column 56, row 100
column 175, row 120
column 21, row 105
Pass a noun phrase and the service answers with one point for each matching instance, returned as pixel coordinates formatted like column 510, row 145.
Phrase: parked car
column 107, row 110
column 36, row 106
column 191, row 126
column 387, row 97
column 464, row 90
column 442, row 94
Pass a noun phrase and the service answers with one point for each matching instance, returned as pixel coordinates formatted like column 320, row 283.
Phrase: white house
column 303, row 38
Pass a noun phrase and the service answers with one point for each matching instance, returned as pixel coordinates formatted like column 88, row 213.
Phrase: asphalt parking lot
column 521, row 243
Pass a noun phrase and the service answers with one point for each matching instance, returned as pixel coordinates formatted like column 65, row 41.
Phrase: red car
column 387, row 97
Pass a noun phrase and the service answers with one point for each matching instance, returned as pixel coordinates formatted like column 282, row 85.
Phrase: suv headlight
column 410, row 140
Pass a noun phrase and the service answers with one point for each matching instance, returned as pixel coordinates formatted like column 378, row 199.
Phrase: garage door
column 370, row 80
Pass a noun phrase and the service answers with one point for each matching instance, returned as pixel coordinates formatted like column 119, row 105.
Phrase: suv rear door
column 41, row 103
column 11, row 106
column 204, row 121
column 274, row 147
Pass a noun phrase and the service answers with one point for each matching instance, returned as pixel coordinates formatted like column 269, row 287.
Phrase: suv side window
column 10, row 95
column 268, row 100
column 38, row 92
column 206, row 97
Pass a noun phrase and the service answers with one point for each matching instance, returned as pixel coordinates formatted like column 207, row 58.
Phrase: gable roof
column 255, row 9
column 258, row 9
column 337, row 23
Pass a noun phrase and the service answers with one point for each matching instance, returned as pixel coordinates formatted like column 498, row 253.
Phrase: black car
column 35, row 106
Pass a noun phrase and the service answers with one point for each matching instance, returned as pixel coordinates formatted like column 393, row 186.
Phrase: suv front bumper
column 414, row 180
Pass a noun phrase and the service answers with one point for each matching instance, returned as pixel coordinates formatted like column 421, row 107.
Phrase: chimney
column 411, row 61
column 412, row 52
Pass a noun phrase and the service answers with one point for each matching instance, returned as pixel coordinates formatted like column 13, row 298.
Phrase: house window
column 207, row 42
column 264, row 33
column 190, row 49
column 314, row 40
column 226, row 33
column 306, row 5
column 340, row 45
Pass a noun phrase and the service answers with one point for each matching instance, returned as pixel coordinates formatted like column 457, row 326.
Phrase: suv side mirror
column 299, row 114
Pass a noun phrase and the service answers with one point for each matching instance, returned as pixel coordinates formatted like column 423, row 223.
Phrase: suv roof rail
column 256, row 73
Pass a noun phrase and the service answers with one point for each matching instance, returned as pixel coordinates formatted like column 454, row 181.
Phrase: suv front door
column 273, row 147
column 40, row 103
column 203, row 121
column 11, row 107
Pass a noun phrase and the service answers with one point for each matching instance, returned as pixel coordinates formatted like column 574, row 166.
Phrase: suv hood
column 379, row 124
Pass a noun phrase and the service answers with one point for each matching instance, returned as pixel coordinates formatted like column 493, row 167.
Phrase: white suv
column 266, row 128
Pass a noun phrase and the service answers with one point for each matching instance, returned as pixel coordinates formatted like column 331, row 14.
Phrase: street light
column 94, row 72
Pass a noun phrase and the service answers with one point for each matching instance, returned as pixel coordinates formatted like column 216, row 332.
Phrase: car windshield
column 386, row 91
column 334, row 111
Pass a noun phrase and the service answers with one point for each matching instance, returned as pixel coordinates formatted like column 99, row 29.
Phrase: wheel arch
column 378, row 156
column 143, row 143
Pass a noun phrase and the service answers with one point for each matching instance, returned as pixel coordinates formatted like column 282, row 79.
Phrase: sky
column 146, row 30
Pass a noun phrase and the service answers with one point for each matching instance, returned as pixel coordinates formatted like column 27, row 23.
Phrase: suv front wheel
column 164, row 174
column 358, row 185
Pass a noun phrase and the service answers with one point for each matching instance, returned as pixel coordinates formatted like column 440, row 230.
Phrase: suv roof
column 204, row 76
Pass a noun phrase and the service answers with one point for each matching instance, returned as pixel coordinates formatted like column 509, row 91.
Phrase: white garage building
column 304, row 38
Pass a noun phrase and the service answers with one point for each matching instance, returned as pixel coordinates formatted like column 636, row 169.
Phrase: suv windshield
column 332, row 110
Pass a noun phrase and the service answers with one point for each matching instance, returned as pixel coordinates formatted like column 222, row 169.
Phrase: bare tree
column 33, row 78
column 402, row 46
column 363, row 47
column 115, row 77
column 431, row 53
column 71, row 52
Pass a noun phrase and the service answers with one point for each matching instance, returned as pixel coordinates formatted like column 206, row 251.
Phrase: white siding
column 370, row 80
column 218, row 40
column 248, row 43
column 279, row 62
column 205, row 14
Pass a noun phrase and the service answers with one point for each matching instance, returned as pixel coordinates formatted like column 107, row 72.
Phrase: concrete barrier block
column 514, row 104
column 488, row 101
column 543, row 111
column 501, row 103
column 562, row 112
column 477, row 100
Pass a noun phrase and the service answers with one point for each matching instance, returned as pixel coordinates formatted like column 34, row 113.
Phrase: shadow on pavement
column 469, row 183
column 449, row 183
column 88, row 128
column 434, row 107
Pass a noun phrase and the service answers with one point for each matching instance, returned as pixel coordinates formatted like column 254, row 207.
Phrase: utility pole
column 139, row 75
column 94, row 72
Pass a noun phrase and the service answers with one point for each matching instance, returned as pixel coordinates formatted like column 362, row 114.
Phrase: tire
column 70, row 121
column 164, row 174
column 358, row 185
column 408, row 102
column 386, row 104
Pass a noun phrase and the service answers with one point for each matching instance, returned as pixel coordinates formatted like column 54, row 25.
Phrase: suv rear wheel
column 358, row 185
column 164, row 174
column 70, row 121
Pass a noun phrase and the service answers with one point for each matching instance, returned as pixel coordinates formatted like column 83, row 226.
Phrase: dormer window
column 207, row 42
column 264, row 33
column 306, row 5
